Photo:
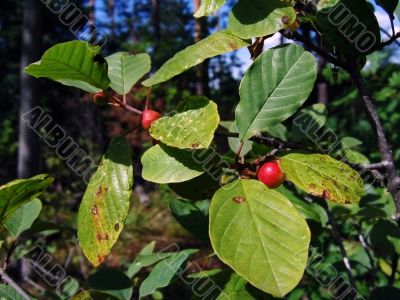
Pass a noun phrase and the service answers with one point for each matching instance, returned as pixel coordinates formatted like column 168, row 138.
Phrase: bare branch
column 13, row 284
column 339, row 240
column 383, row 144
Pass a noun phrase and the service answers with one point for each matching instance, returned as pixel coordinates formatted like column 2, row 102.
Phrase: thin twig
column 339, row 241
column 376, row 166
column 389, row 41
column 7, row 279
column 126, row 106
column 264, row 140
column 370, row 257
column 390, row 36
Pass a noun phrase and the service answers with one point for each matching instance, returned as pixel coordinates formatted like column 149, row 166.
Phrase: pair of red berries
column 271, row 174
column 147, row 117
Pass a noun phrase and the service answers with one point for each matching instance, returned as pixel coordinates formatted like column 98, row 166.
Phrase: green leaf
column 105, row 204
column 86, row 295
column 274, row 88
column 381, row 237
column 308, row 121
column 349, row 26
column 193, row 216
column 191, row 127
column 164, row 164
column 235, row 289
column 199, row 188
column 164, row 272
column 18, row 192
column 9, row 293
column 23, row 218
column 135, row 267
column 146, row 260
column 125, row 70
column 256, row 18
column 258, row 233
column 216, row 44
column 75, row 63
column 234, row 143
column 112, row 282
column 309, row 211
column 322, row 176
column 208, row 7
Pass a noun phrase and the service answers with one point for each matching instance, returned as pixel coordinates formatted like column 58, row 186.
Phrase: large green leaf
column 323, row 176
column 23, row 218
column 75, row 63
column 124, row 70
column 349, row 26
column 274, row 88
column 216, row 44
column 105, row 204
column 258, row 233
column 164, row 164
column 208, row 7
column 18, row 192
column 255, row 18
column 191, row 127
column 164, row 272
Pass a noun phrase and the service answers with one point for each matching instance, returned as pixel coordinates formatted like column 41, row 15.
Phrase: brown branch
column 384, row 148
column 7, row 279
column 295, row 36
column 126, row 106
column 383, row 144
column 393, row 39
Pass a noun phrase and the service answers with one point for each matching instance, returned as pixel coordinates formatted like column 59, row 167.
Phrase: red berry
column 100, row 98
column 271, row 174
column 148, row 117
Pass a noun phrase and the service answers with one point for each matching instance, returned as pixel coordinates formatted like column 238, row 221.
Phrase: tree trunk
column 202, row 86
column 322, row 85
column 32, row 48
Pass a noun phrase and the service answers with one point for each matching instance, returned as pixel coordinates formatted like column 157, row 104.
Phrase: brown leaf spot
column 95, row 210
column 194, row 146
column 102, row 237
column 326, row 194
column 285, row 20
column 238, row 199
column 116, row 226
column 312, row 186
column 232, row 46
column 100, row 258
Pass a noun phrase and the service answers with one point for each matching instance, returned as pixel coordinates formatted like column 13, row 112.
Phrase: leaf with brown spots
column 105, row 204
column 260, row 235
column 322, row 176
column 191, row 127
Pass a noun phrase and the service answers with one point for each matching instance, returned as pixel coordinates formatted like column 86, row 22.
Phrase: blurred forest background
column 160, row 28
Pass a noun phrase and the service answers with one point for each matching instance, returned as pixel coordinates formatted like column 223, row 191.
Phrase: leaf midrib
column 277, row 87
